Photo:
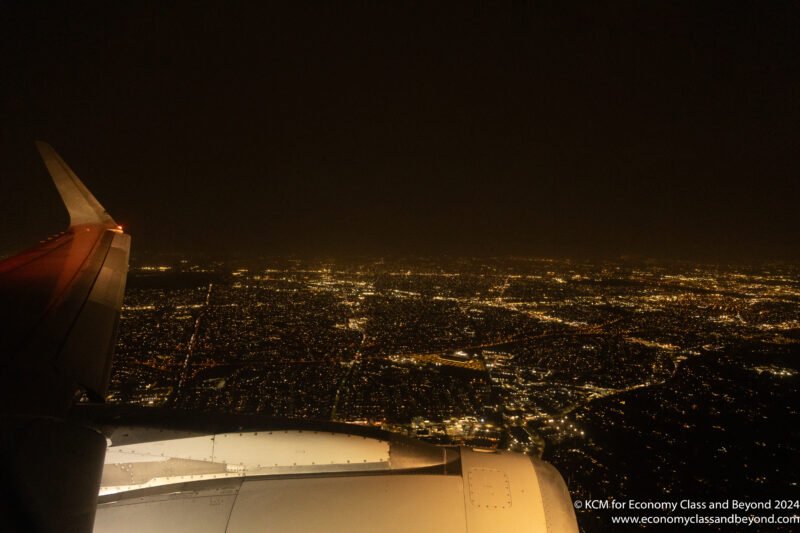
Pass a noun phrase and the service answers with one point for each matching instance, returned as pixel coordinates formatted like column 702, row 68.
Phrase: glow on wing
column 165, row 462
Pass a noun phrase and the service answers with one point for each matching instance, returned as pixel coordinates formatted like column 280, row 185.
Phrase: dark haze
column 645, row 129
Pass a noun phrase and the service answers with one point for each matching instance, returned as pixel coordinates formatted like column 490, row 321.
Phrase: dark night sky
column 662, row 130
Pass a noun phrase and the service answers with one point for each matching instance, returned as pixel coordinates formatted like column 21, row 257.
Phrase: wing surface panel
column 352, row 504
column 202, row 510
column 494, row 492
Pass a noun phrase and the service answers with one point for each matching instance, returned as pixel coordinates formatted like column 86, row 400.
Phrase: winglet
column 83, row 207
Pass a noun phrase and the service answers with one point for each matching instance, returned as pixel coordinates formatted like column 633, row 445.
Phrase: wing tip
column 81, row 204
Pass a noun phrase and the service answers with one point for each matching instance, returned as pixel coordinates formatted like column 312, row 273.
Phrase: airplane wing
column 59, row 308
column 60, row 304
column 71, row 466
column 205, row 473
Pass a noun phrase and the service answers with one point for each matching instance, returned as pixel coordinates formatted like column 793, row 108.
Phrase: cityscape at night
column 399, row 266
column 607, row 369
